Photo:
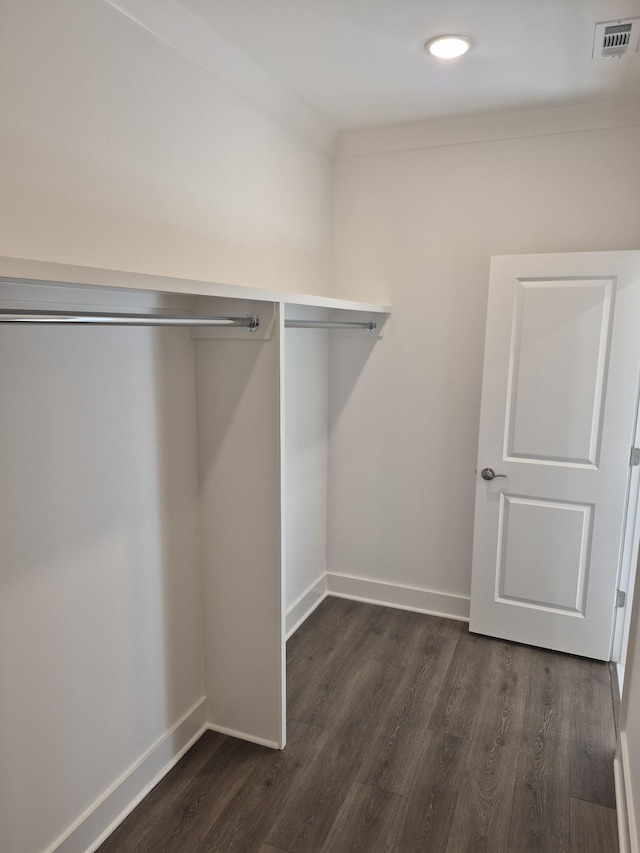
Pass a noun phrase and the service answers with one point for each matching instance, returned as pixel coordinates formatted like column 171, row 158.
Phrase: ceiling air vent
column 616, row 38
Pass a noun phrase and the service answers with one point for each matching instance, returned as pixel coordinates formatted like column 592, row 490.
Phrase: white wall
column 100, row 626
column 116, row 151
column 305, row 466
column 417, row 228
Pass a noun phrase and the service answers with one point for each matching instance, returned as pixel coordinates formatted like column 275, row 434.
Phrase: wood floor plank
column 317, row 678
column 503, row 700
column 412, row 630
column 427, row 677
column 133, row 833
column 388, row 763
column 319, row 796
column 327, row 625
column 379, row 626
column 455, row 710
column 482, row 816
column 550, row 691
column 423, row 820
column 415, row 736
column 395, row 636
column 349, row 678
column 362, row 823
column 250, row 814
column 592, row 743
column 327, row 703
column 540, row 805
column 388, row 634
column 311, row 680
column 594, row 829
column 314, row 648
column 189, row 817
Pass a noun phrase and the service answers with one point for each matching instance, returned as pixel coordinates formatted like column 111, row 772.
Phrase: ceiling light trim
column 448, row 45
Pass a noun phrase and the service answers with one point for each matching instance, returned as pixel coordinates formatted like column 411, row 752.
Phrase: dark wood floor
column 406, row 733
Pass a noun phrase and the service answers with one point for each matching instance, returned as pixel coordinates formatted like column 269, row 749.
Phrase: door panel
column 560, row 350
column 562, row 362
column 544, row 548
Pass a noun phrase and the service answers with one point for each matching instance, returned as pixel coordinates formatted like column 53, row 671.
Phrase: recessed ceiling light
column 448, row 47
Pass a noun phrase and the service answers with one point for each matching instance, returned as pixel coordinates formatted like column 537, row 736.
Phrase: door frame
column 628, row 566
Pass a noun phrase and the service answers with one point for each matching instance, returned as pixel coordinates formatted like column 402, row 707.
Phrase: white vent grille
column 615, row 38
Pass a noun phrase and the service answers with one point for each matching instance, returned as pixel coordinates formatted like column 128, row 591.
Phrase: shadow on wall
column 348, row 356
column 98, row 563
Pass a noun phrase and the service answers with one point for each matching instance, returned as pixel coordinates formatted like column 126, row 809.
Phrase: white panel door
column 561, row 372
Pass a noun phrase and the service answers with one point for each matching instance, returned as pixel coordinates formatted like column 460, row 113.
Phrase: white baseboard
column 100, row 819
column 305, row 604
column 627, row 828
column 395, row 595
column 223, row 730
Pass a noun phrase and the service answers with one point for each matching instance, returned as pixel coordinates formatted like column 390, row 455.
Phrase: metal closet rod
column 251, row 322
column 367, row 325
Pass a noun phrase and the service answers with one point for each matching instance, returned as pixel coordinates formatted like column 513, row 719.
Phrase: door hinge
column 621, row 598
column 635, row 456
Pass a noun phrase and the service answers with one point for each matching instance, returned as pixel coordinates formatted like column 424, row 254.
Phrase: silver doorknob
column 490, row 474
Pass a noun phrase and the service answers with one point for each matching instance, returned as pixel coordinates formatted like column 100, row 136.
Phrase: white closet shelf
column 21, row 270
column 232, row 410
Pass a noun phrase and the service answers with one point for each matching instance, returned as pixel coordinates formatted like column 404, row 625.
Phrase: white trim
column 624, row 839
column 282, row 495
column 627, row 829
column 624, row 112
column 444, row 604
column 223, row 730
column 628, row 561
column 111, row 808
column 620, row 667
column 305, row 604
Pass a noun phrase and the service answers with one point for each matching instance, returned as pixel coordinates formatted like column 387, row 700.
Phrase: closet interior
column 163, row 491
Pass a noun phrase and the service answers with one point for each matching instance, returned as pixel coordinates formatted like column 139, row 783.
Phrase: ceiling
column 360, row 63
